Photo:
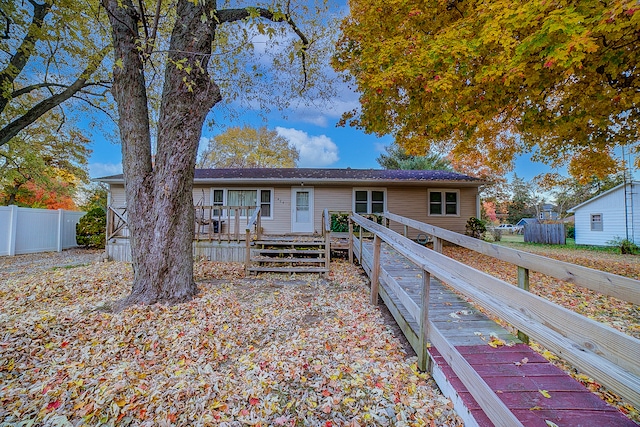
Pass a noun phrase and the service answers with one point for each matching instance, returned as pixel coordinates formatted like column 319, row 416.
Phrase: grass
column 517, row 241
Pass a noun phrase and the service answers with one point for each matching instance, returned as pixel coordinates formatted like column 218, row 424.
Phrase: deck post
column 247, row 254
column 423, row 357
column 523, row 283
column 437, row 244
column 350, row 241
column 405, row 231
column 375, row 269
column 360, row 235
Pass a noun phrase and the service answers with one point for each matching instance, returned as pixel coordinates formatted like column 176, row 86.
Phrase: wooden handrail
column 600, row 351
column 609, row 284
column 253, row 221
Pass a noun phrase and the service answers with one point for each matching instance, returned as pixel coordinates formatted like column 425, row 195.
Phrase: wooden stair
column 296, row 255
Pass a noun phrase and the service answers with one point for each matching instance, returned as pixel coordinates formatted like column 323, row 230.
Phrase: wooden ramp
column 535, row 391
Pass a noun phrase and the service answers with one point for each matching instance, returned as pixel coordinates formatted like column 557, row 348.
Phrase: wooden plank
column 423, row 355
column 492, row 406
column 613, row 285
column 375, row 274
column 598, row 350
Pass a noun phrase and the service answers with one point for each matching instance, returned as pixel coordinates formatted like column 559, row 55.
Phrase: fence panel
column 551, row 234
column 5, row 230
column 26, row 230
column 69, row 221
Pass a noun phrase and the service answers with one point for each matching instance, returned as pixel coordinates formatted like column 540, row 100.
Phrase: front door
column 302, row 210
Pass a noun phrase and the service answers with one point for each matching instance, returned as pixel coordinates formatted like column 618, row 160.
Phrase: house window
column 443, row 202
column 596, row 222
column 249, row 198
column 369, row 201
column 217, row 200
column 265, row 203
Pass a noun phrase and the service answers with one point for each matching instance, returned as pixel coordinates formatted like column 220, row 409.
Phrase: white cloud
column 380, row 147
column 98, row 170
column 315, row 151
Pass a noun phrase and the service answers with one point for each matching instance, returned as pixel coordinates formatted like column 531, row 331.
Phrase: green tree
column 159, row 194
column 248, row 147
column 523, row 202
column 396, row 157
column 490, row 80
column 51, row 53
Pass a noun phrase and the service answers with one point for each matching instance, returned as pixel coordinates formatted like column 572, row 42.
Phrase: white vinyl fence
column 26, row 230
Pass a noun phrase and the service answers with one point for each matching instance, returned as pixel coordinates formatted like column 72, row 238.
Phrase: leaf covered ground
column 274, row 351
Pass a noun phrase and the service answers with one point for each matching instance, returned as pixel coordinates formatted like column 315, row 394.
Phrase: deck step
column 289, row 260
column 287, row 270
column 289, row 242
column 288, row 251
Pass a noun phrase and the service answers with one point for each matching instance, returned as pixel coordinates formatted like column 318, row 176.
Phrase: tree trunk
column 159, row 198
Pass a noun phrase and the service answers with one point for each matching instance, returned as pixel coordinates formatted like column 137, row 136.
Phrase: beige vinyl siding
column 412, row 202
column 118, row 198
column 336, row 199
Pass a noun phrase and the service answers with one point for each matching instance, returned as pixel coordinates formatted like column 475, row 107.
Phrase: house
column 292, row 201
column 612, row 215
column 524, row 221
column 547, row 212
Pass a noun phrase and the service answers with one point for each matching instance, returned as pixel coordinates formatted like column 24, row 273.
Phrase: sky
column 311, row 129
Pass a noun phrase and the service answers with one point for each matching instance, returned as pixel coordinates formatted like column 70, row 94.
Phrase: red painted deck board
column 571, row 403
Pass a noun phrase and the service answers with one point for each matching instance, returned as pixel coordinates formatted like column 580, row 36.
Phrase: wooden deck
column 519, row 376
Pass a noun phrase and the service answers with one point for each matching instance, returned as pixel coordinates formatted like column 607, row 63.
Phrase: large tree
column 159, row 194
column 249, row 147
column 51, row 51
column 492, row 79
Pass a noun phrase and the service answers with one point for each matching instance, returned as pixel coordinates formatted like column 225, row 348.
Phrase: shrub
column 475, row 228
column 571, row 231
column 496, row 234
column 625, row 246
column 90, row 230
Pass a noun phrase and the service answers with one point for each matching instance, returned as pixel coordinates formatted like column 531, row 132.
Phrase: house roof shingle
column 310, row 176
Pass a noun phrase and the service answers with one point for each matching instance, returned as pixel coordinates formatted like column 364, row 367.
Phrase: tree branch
column 7, row 25
column 234, row 15
column 12, row 129
column 23, row 53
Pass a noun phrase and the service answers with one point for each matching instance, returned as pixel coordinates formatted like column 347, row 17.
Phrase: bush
column 496, row 234
column 475, row 228
column 340, row 222
column 571, row 231
column 90, row 230
column 625, row 246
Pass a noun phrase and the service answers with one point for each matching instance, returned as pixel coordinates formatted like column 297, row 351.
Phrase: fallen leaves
column 275, row 350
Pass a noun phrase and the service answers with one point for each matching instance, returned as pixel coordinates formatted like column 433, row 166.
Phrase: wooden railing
column 326, row 233
column 254, row 222
column 117, row 222
column 211, row 222
column 609, row 284
column 602, row 352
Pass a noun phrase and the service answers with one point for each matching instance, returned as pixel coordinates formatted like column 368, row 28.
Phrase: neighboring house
column 292, row 200
column 548, row 212
column 525, row 221
column 614, row 214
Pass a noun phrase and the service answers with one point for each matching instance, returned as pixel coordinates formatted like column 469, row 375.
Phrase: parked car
column 509, row 227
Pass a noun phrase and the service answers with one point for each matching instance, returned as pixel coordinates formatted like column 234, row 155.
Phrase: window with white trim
column 444, row 202
column 369, row 201
column 596, row 222
column 244, row 197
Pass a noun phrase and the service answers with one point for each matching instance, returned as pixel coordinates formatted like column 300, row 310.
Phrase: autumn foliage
column 489, row 80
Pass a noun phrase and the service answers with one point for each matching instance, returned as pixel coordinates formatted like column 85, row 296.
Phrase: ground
column 273, row 350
